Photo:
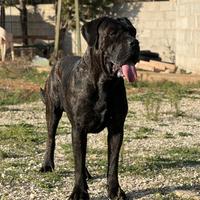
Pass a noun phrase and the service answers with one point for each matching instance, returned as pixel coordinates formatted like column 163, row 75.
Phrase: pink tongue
column 129, row 72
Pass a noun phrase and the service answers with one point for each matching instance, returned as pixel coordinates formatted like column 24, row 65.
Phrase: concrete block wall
column 41, row 20
column 155, row 23
column 188, row 35
column 170, row 28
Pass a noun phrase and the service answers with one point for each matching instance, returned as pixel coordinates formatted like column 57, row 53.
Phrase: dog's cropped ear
column 90, row 31
column 128, row 25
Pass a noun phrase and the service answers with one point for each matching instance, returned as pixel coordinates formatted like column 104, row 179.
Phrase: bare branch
column 18, row 8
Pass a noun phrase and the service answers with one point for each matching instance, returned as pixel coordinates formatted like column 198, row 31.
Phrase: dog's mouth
column 128, row 71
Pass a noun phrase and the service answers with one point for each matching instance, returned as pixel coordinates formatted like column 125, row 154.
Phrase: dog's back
column 8, row 37
column 6, row 41
column 2, row 33
column 63, row 66
column 67, row 63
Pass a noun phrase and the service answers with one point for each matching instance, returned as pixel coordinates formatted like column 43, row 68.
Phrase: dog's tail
column 42, row 95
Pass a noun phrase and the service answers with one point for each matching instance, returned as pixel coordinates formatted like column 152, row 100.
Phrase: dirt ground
column 10, row 84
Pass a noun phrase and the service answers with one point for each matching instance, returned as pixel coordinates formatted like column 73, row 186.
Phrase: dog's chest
column 91, row 109
column 91, row 105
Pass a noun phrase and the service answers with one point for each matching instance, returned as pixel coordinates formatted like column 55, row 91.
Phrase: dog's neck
column 94, row 61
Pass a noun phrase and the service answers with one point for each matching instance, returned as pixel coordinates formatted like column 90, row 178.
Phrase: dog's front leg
column 115, row 138
column 79, row 142
column 12, row 51
column 3, row 50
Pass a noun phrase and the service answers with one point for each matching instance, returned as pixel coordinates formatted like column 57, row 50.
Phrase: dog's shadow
column 137, row 194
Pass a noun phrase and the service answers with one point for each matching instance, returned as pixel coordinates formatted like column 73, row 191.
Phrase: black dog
column 91, row 91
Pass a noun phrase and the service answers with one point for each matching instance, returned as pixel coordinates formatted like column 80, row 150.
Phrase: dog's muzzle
column 127, row 69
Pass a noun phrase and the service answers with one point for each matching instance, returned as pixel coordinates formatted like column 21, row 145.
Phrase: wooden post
column 78, row 36
column 58, row 16
column 24, row 21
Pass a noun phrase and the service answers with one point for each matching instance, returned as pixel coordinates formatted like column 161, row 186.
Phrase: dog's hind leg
column 53, row 115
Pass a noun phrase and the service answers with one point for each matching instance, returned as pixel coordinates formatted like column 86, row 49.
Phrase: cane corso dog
column 91, row 91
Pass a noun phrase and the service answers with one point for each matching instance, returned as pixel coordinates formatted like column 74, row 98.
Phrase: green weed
column 28, row 74
column 21, row 132
column 175, row 96
column 16, row 97
column 170, row 196
column 31, row 75
column 8, row 154
column 21, row 137
column 152, row 104
column 156, row 92
column 49, row 180
column 68, row 151
column 98, row 159
column 25, row 73
column 184, row 134
column 169, row 135
column 172, row 158
column 143, row 133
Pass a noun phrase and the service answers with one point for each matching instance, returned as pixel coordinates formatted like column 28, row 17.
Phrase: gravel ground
column 165, row 181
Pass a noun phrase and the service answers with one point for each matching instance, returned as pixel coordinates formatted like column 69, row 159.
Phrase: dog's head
column 115, row 39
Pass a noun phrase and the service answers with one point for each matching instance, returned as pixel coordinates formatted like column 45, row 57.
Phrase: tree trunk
column 2, row 14
column 78, row 36
column 57, row 27
column 24, row 21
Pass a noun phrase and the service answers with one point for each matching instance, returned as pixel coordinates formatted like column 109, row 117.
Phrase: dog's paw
column 47, row 168
column 79, row 194
column 118, row 194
